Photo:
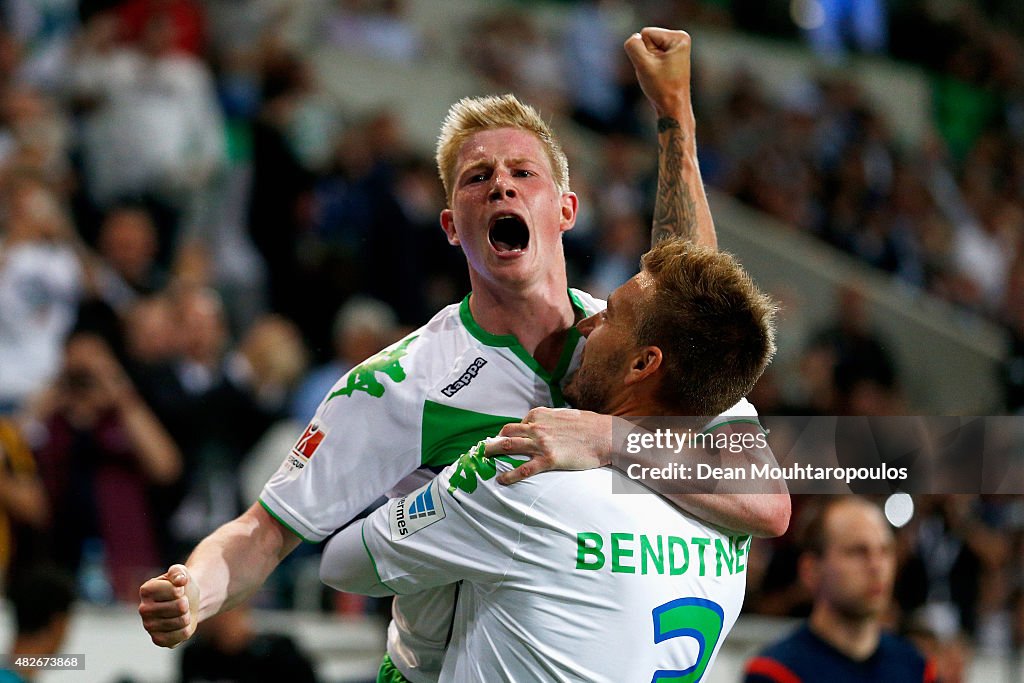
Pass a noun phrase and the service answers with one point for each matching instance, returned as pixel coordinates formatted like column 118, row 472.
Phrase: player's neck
column 856, row 638
column 640, row 400
column 538, row 316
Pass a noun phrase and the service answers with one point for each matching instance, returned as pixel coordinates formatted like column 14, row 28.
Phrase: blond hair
column 472, row 115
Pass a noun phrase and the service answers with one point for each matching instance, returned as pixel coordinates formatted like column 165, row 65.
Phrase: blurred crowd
column 195, row 242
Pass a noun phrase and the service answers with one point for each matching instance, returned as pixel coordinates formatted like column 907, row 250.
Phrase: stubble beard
column 589, row 389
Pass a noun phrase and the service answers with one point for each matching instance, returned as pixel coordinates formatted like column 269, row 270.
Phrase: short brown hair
column 713, row 325
column 475, row 114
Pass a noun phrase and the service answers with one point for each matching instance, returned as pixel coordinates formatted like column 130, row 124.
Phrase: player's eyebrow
column 477, row 165
column 493, row 161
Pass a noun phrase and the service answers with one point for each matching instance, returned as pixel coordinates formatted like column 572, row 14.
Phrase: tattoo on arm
column 675, row 211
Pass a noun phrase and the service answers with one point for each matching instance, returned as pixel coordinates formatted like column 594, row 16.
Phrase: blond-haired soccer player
column 476, row 365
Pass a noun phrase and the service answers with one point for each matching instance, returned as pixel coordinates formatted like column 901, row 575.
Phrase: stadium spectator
column 153, row 130
column 375, row 27
column 127, row 249
column 100, row 451
column 44, row 32
column 186, row 16
column 41, row 280
column 861, row 377
column 958, row 569
column 43, row 599
column 228, row 648
column 362, row 327
column 24, row 508
column 833, row 27
column 951, row 652
column 272, row 359
column 360, row 215
column 153, row 340
column 592, row 66
column 849, row 565
column 511, row 50
column 35, row 135
column 618, row 253
column 210, row 404
column 280, row 184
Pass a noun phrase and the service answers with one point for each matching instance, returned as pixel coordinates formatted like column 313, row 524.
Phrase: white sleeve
column 346, row 566
column 364, row 438
column 441, row 534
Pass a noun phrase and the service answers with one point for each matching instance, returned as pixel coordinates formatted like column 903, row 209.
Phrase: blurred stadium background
column 229, row 202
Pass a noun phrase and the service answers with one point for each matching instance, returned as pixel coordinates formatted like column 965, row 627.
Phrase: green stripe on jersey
column 282, row 522
column 362, row 535
column 449, row 432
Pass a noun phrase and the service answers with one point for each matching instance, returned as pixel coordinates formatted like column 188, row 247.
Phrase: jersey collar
column 509, row 341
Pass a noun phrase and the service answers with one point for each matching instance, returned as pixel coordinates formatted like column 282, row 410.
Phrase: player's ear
column 569, row 205
column 644, row 364
column 448, row 225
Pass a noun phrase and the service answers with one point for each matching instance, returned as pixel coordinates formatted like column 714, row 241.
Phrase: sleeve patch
column 416, row 511
column 307, row 444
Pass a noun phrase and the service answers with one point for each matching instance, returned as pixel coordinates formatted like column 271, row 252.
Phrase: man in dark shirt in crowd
column 228, row 649
column 849, row 566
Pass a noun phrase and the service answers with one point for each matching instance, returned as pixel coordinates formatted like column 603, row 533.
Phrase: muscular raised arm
column 662, row 61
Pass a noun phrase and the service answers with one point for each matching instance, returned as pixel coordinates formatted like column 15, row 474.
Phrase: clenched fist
column 169, row 606
column 662, row 61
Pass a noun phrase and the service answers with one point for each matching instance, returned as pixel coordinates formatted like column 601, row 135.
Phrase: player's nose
column 502, row 187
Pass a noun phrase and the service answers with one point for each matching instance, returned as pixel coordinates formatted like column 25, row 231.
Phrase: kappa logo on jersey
column 416, row 511
column 363, row 377
column 467, row 377
column 307, row 444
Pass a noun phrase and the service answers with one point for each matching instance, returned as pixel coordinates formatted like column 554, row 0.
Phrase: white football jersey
column 561, row 579
column 392, row 422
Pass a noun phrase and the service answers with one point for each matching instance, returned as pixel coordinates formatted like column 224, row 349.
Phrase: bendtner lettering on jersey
column 467, row 377
column 630, row 553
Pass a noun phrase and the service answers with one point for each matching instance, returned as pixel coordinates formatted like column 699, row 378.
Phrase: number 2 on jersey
column 697, row 618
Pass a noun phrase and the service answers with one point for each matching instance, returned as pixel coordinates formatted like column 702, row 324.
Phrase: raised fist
column 662, row 61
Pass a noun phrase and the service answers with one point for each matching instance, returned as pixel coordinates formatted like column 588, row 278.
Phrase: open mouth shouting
column 508, row 234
